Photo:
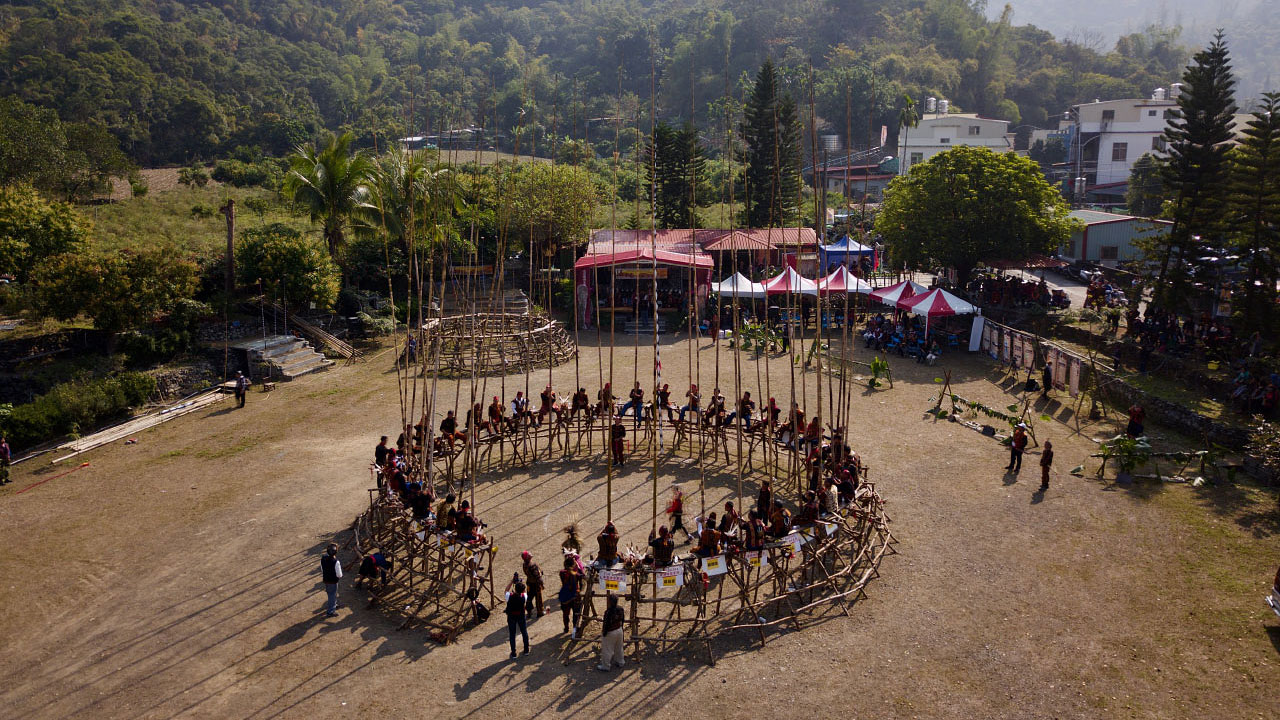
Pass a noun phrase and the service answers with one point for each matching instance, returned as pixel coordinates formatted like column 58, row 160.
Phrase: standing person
column 516, row 599
column 676, row 510
column 611, row 645
column 533, row 576
column 764, row 500
column 5, row 457
column 1046, row 460
column 380, row 452
column 331, row 573
column 1046, row 379
column 1137, row 416
column 617, row 439
column 570, row 594
column 242, row 388
column 1017, row 444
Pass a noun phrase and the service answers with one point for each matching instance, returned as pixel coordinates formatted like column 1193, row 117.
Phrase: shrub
column 74, row 407
column 240, row 173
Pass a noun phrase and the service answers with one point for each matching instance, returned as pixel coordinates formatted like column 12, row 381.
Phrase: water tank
column 931, row 105
column 1158, row 94
column 831, row 143
column 944, row 106
column 1175, row 90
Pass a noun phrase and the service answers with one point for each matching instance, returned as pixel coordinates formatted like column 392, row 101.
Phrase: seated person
column 779, row 520
column 708, row 538
column 449, row 430
column 466, row 524
column 497, row 416
column 604, row 401
column 547, row 404
column 809, row 511
column 753, row 532
column 746, row 406
column 634, row 400
column 446, row 514
column 520, row 409
column 693, row 405
column 664, row 401
column 581, row 403
column 828, row 502
column 846, row 485
column 608, row 544
column 662, row 546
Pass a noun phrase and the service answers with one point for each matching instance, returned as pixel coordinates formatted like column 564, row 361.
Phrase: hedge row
column 75, row 407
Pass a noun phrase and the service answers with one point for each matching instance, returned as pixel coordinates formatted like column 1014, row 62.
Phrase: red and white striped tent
column 936, row 303
column 790, row 282
column 841, row 281
column 893, row 294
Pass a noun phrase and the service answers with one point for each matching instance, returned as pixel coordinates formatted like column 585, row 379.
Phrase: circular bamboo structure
column 500, row 343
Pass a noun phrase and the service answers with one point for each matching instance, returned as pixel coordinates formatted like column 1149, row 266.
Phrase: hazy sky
column 1111, row 18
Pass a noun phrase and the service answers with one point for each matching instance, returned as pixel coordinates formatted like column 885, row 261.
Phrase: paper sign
column 612, row 581
column 794, row 541
column 830, row 528
column 713, row 566
column 672, row 577
column 755, row 559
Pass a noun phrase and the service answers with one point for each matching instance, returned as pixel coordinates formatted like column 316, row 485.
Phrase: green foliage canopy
column 118, row 292
column 970, row 205
column 290, row 265
column 33, row 229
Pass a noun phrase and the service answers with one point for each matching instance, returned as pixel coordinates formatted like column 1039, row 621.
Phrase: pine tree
column 1195, row 176
column 771, row 132
column 1254, row 211
column 676, row 167
column 1146, row 194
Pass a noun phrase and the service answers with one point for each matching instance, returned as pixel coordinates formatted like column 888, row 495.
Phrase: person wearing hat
column 611, row 648
column 533, row 578
column 1017, row 444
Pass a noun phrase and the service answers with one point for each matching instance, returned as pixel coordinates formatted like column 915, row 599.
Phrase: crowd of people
column 1000, row 290
column 834, row 472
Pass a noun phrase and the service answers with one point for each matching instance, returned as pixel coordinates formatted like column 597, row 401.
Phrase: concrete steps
column 288, row 356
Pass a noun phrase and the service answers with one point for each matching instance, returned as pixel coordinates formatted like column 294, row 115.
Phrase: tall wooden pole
column 229, row 210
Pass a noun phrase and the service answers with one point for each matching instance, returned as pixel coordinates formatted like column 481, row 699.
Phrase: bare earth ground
column 179, row 577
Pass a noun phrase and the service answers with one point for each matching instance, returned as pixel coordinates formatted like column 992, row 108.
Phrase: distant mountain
column 1250, row 26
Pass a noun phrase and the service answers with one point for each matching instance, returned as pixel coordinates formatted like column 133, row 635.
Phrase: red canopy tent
column 936, row 303
column 841, row 281
column 894, row 293
column 790, row 282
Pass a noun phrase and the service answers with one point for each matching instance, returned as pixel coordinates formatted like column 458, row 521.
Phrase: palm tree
column 331, row 183
column 412, row 204
column 907, row 119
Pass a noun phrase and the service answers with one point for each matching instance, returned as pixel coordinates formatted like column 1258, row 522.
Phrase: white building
column 1108, row 137
column 938, row 133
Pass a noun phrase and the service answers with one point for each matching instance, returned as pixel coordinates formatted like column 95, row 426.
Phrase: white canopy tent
column 738, row 287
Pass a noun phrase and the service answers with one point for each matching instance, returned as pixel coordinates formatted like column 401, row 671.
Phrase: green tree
column 331, row 183
column 73, row 160
column 290, row 265
column 1198, row 137
column 771, row 132
column 33, row 229
column 551, row 205
column 1254, row 211
column 970, row 205
column 675, row 168
column 1145, row 196
column 1048, row 152
column 118, row 292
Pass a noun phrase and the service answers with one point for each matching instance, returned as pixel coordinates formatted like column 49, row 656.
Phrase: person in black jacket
column 516, row 620
column 331, row 573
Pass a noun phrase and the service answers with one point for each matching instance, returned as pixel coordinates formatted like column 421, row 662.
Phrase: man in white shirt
column 331, row 571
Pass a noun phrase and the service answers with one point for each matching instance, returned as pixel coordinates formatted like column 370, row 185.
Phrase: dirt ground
column 179, row 576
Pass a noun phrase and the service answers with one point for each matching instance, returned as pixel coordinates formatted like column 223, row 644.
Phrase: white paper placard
column 612, row 581
column 671, row 577
column 755, row 558
column 794, row 540
column 713, row 566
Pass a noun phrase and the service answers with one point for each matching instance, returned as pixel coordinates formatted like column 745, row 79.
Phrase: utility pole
column 229, row 210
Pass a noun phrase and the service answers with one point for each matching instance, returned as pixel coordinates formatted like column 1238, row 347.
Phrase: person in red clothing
column 676, row 510
column 1046, row 460
column 1017, row 445
column 617, row 440
column 1137, row 416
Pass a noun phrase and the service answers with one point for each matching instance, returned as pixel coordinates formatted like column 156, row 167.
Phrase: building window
column 1109, row 252
column 1119, row 152
column 945, row 141
column 1158, row 143
column 1108, row 115
column 916, row 158
column 975, row 129
column 1151, row 113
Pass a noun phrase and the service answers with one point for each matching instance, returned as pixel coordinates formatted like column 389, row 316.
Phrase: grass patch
column 165, row 219
column 1183, row 395
column 224, row 451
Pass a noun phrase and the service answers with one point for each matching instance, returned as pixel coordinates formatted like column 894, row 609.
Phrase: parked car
column 1274, row 598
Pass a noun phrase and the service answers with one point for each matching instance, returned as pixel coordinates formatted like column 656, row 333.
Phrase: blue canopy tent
column 845, row 251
